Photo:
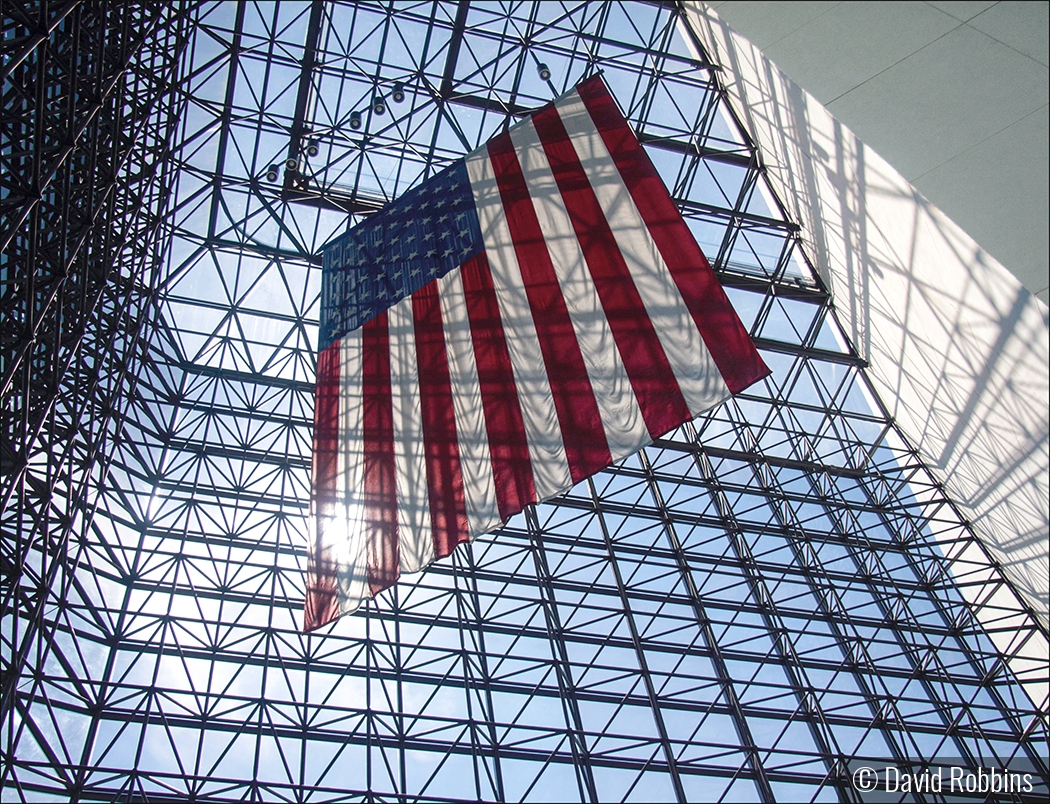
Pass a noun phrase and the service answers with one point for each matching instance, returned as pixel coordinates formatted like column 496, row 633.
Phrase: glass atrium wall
column 736, row 613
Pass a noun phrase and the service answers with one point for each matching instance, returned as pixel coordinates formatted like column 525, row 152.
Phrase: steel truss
column 733, row 614
column 87, row 121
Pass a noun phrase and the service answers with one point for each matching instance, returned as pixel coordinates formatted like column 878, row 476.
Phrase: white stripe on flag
column 345, row 534
column 622, row 420
column 414, row 531
column 475, row 458
column 546, row 450
column 694, row 368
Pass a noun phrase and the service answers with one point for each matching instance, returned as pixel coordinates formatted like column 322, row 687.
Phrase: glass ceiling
column 734, row 614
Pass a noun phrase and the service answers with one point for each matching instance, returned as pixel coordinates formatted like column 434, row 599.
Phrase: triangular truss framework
column 735, row 613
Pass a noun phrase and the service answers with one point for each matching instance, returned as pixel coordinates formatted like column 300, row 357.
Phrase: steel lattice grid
column 752, row 600
column 83, row 184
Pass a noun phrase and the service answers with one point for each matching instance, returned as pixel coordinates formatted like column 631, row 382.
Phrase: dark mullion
column 780, row 634
column 576, row 733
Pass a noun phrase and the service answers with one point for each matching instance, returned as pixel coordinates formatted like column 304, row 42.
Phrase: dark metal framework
column 733, row 614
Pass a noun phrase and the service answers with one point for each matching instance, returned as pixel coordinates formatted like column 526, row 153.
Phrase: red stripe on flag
column 583, row 435
column 380, row 479
column 508, row 443
column 448, row 509
column 652, row 379
column 322, row 598
column 725, row 336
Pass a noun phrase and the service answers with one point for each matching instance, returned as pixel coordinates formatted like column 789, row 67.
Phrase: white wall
column 952, row 94
column 958, row 349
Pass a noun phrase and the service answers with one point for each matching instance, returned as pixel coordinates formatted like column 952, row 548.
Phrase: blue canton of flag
column 394, row 252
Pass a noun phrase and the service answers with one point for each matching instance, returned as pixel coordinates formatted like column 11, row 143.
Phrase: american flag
column 522, row 320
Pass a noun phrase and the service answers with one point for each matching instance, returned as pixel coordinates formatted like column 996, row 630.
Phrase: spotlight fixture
column 271, row 173
column 355, row 120
column 398, row 94
column 312, row 149
column 378, row 105
column 544, row 71
column 291, row 164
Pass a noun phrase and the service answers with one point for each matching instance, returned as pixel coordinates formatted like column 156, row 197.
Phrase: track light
column 355, row 120
column 312, row 149
column 271, row 173
column 378, row 106
column 544, row 71
column 398, row 94
column 291, row 164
